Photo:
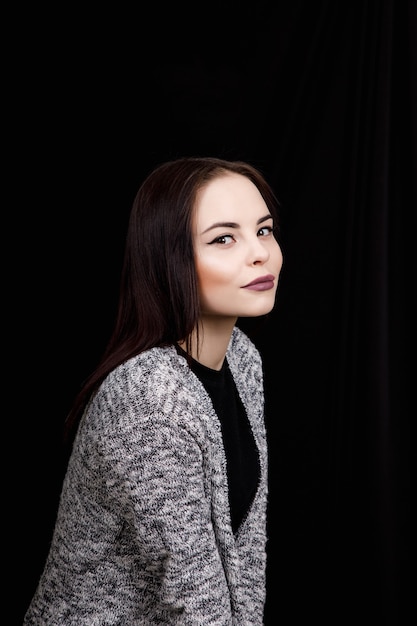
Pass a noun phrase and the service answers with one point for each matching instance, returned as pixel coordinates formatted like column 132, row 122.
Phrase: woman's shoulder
column 152, row 369
column 148, row 383
column 154, row 387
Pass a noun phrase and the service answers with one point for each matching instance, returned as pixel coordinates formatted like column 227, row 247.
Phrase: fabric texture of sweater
column 143, row 534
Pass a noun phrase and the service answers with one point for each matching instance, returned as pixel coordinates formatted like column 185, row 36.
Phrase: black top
column 241, row 453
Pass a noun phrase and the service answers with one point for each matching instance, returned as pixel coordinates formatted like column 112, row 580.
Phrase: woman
column 162, row 516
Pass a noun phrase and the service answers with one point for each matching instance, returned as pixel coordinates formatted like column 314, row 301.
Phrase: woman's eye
column 265, row 230
column 223, row 239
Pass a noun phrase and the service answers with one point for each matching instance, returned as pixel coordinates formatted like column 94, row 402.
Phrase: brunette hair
column 158, row 299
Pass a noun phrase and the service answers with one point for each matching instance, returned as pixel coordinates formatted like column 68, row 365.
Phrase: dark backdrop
column 321, row 96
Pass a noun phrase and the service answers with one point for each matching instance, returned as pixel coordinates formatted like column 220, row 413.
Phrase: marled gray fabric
column 143, row 533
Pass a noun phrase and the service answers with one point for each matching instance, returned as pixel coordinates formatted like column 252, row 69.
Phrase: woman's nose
column 258, row 253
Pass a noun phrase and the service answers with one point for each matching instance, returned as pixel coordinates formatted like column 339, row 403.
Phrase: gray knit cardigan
column 143, row 533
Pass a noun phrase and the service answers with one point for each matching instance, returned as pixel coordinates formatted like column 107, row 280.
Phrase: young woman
column 162, row 516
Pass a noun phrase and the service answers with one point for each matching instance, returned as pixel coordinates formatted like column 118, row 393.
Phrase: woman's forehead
column 230, row 197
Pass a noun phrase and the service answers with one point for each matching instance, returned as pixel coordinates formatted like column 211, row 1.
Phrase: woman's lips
column 263, row 283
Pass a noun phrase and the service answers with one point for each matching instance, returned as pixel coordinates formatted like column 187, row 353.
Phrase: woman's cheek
column 212, row 272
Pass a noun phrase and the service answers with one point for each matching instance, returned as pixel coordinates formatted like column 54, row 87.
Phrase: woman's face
column 238, row 259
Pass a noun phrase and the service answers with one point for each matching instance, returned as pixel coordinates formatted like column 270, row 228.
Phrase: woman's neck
column 213, row 340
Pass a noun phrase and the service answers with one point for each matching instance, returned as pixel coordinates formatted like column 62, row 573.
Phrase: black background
column 321, row 96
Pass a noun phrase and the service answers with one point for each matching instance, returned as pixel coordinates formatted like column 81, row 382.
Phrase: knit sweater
column 143, row 534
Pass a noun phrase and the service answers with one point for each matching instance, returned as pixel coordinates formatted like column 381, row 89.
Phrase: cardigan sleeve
column 134, row 540
column 160, row 473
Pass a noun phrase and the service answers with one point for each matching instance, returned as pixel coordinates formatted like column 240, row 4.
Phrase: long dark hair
column 158, row 299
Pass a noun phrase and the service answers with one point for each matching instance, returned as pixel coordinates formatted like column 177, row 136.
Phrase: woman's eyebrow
column 234, row 224
column 264, row 218
column 221, row 225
